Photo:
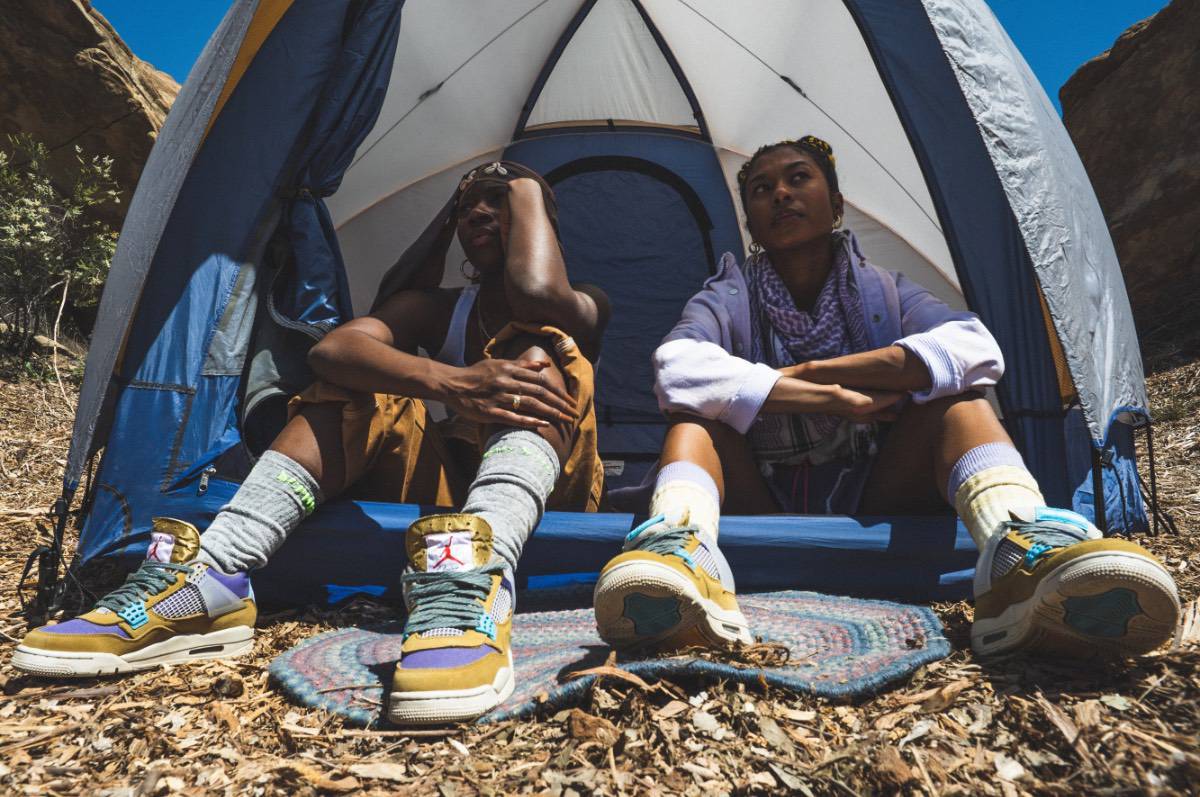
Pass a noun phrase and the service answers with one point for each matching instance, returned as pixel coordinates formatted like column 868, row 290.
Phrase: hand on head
column 482, row 216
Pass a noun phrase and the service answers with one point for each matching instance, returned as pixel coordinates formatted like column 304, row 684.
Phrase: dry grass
column 960, row 726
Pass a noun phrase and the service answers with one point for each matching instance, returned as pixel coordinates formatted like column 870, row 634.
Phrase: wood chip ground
column 958, row 727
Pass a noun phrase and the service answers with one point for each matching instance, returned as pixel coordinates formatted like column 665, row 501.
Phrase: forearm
column 359, row 362
column 535, row 277
column 791, row 395
column 889, row 368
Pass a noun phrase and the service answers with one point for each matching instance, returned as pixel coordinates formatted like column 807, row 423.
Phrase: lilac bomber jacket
column 701, row 366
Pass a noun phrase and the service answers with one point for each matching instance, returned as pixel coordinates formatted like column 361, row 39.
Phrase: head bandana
column 505, row 172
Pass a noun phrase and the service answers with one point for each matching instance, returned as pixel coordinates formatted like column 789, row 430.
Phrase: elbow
column 997, row 364
column 323, row 357
column 537, row 303
column 663, row 363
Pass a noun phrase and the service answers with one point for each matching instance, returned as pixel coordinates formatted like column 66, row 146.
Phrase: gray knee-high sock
column 517, row 475
column 276, row 496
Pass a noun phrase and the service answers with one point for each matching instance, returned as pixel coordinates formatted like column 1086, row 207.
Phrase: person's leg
column 1045, row 581
column 304, row 466
column 191, row 598
column 707, row 467
column 951, row 451
column 456, row 662
column 672, row 587
column 520, row 467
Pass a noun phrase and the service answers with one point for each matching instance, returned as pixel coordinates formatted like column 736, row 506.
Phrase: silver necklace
column 484, row 335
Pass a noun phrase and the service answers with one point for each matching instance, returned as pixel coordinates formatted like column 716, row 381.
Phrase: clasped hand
column 798, row 394
column 510, row 392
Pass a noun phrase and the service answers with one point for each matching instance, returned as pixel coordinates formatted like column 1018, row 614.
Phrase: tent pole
column 1098, row 491
column 1153, row 475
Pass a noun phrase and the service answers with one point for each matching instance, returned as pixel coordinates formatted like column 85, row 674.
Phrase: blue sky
column 1056, row 36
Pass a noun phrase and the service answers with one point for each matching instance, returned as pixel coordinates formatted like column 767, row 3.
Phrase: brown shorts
column 395, row 452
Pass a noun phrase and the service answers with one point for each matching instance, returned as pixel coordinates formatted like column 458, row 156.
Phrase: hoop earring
column 837, row 223
column 756, row 248
column 468, row 277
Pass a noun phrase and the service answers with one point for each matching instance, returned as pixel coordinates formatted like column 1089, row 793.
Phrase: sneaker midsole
column 158, row 653
column 450, row 705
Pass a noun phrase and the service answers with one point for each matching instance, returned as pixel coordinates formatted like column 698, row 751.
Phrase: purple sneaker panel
column 442, row 658
column 81, row 626
column 237, row 583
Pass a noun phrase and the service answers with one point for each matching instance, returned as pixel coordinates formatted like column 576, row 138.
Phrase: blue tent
column 314, row 139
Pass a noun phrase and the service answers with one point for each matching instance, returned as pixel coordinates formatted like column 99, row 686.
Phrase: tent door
column 642, row 234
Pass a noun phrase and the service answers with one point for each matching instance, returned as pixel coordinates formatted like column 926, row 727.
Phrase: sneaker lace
column 1045, row 540
column 669, row 541
column 148, row 579
column 447, row 600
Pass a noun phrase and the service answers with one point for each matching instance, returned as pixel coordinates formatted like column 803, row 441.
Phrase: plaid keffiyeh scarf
column 786, row 335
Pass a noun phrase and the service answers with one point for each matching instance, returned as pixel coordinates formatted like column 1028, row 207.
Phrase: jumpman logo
column 161, row 547
column 448, row 555
column 450, row 550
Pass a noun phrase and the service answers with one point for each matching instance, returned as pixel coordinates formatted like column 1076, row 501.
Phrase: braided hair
column 818, row 149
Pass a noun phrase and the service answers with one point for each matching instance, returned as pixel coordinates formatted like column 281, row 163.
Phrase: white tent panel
column 612, row 69
column 731, row 59
column 886, row 249
column 485, row 56
column 488, row 60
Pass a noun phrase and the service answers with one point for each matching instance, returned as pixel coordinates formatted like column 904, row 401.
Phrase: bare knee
column 313, row 439
column 970, row 406
column 940, row 406
column 560, row 436
column 682, row 424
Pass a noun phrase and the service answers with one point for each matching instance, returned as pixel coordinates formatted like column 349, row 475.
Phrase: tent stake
column 49, row 558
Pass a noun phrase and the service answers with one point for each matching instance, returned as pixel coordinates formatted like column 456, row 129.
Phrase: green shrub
column 51, row 249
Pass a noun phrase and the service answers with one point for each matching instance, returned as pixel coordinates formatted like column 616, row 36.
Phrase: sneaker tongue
column 449, row 543
column 172, row 540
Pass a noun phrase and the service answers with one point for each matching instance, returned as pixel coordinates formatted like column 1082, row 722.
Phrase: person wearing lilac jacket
column 808, row 380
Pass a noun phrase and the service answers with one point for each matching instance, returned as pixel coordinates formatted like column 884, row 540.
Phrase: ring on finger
column 516, row 402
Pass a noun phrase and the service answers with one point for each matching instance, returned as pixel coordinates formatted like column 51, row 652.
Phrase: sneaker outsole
column 646, row 605
column 451, row 705
column 226, row 643
column 1102, row 605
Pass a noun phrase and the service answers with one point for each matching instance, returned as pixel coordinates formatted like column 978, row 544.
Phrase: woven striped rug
column 840, row 648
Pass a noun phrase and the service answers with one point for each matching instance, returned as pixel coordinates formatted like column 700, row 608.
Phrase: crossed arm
column 863, row 386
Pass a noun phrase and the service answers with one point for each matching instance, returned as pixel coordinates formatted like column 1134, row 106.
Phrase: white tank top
column 453, row 351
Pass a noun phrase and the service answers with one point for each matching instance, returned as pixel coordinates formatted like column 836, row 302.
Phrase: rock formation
column 66, row 78
column 1134, row 114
